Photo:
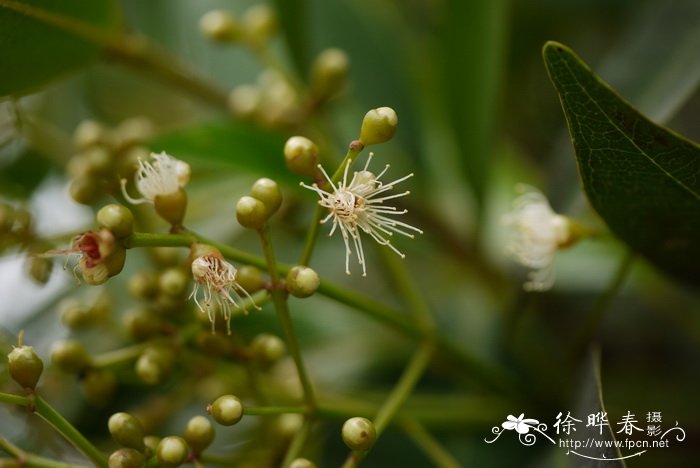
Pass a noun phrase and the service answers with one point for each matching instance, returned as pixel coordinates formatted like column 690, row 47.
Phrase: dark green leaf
column 225, row 144
column 41, row 39
column 292, row 16
column 641, row 178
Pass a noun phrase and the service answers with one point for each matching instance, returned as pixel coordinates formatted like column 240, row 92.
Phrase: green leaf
column 641, row 178
column 40, row 40
column 230, row 145
column 293, row 19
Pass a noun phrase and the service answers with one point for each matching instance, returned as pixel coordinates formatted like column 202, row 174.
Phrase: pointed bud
column 359, row 433
column 329, row 73
column 227, row 410
column 117, row 219
column 267, row 191
column 378, row 126
column 25, row 366
column 126, row 430
column 301, row 156
column 251, row 212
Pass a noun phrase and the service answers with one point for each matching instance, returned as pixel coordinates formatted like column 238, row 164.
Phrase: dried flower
column 99, row 257
column 164, row 176
column 355, row 206
column 217, row 279
column 539, row 233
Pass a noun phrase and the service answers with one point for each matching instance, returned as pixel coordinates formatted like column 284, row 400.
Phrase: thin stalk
column 431, row 447
column 279, row 299
column 265, row 410
column 118, row 356
column 595, row 316
column 298, row 443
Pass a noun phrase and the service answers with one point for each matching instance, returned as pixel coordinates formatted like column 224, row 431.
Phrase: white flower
column 521, row 425
column 355, row 207
column 164, row 176
column 217, row 279
column 539, row 232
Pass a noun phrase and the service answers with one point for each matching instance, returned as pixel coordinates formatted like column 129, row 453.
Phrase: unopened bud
column 251, row 212
column 250, row 278
column 25, row 366
column 301, row 156
column 99, row 386
column 84, row 190
column 329, row 73
column 267, row 191
column 259, row 23
column 90, row 133
column 378, row 126
column 70, row 356
column 220, row 26
column 244, row 101
column 302, row 281
column 359, row 433
column 126, row 430
column 199, row 433
column 227, row 410
column 267, row 348
column 172, row 451
column 154, row 365
column 126, row 458
column 117, row 219
column 173, row 282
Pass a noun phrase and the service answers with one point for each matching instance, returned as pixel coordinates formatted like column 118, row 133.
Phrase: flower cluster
column 357, row 206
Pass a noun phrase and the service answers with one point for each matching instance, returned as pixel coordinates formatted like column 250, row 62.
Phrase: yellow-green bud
column 251, row 212
column 227, row 410
column 99, row 160
column 267, row 191
column 220, row 26
column 75, row 315
column 329, row 72
column 288, row 425
column 359, row 433
column 117, row 219
column 84, row 190
column 134, row 131
column 173, row 282
column 199, row 433
column 126, row 458
column 151, row 443
column 267, row 348
column 89, row 133
column 378, row 126
column 70, row 356
column 126, row 430
column 244, row 100
column 25, row 366
column 302, row 281
column 302, row 463
column 39, row 268
column 259, row 24
column 301, row 156
column 154, row 365
column 143, row 285
column 143, row 323
column 99, row 386
column 250, row 278
column 172, row 207
column 172, row 451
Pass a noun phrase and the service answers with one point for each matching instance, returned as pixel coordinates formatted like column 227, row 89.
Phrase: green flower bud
column 302, row 463
column 151, row 443
column 143, row 323
column 117, row 219
column 267, row 348
column 259, row 24
column 99, row 161
column 199, row 433
column 244, row 101
column 99, row 386
column 302, row 281
column 173, row 282
column 143, row 285
column 220, row 26
column 267, row 191
column 172, row 451
column 126, row 458
column 70, row 356
column 251, row 212
column 359, row 433
column 155, row 364
column 172, row 207
column 378, row 126
column 288, row 425
column 227, row 410
column 25, row 366
column 39, row 268
column 90, row 133
column 329, row 72
column 75, row 315
column 126, row 430
column 134, row 131
column 250, row 278
column 85, row 190
column 301, row 156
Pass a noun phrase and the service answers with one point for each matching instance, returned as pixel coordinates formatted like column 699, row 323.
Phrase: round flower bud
column 99, row 386
column 267, row 348
column 250, row 278
column 173, row 282
column 39, row 268
column 143, row 285
column 154, row 365
column 70, row 356
column 25, row 366
column 259, row 24
column 251, row 212
column 172, row 206
column 288, row 425
column 302, row 281
column 199, row 433
column 84, row 190
column 359, row 433
column 378, row 126
column 90, row 133
column 126, row 458
column 75, row 315
column 227, row 410
column 301, row 156
column 220, row 26
column 126, row 430
column 99, row 161
column 267, row 191
column 134, row 131
column 143, row 323
column 172, row 451
column 117, row 219
column 329, row 72
column 244, row 100
column 151, row 442
column 302, row 463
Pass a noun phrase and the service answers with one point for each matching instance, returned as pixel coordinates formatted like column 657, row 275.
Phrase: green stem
column 595, row 316
column 265, row 410
column 432, row 448
column 279, row 299
column 117, row 356
column 354, row 149
column 298, row 443
column 14, row 399
column 30, row 460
